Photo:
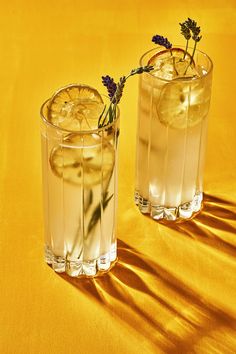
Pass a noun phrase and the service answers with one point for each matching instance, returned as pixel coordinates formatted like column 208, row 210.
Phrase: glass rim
column 82, row 132
column 181, row 79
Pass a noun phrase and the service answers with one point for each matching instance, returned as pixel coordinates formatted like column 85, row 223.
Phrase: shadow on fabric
column 157, row 305
column 215, row 225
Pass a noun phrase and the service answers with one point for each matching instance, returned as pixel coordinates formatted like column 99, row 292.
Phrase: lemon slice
column 75, row 107
column 181, row 105
column 181, row 100
column 83, row 160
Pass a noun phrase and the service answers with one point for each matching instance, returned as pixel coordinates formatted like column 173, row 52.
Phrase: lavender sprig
column 185, row 31
column 109, row 83
column 192, row 25
column 165, row 43
column 141, row 69
column 189, row 28
column 115, row 92
column 119, row 90
column 161, row 41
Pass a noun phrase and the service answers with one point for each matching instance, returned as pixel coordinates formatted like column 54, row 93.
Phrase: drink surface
column 79, row 176
column 173, row 107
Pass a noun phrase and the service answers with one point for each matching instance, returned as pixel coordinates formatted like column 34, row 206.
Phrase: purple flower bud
column 111, row 86
column 161, row 41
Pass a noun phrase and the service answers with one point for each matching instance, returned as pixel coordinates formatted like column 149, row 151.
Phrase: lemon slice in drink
column 181, row 105
column 83, row 160
column 181, row 99
column 75, row 107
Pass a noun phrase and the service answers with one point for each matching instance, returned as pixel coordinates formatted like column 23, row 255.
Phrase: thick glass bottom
column 78, row 268
column 158, row 212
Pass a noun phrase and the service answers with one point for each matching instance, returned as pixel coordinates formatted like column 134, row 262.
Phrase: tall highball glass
column 171, row 140
column 80, row 196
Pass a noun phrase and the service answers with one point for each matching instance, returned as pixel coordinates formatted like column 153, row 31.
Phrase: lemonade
column 172, row 128
column 79, row 179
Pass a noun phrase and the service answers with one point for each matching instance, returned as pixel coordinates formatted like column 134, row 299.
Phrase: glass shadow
column 214, row 225
column 158, row 307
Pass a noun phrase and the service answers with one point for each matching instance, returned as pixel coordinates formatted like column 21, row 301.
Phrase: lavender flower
column 111, row 86
column 161, row 41
column 120, row 88
column 189, row 29
column 185, row 31
column 192, row 26
column 195, row 37
column 141, row 69
column 115, row 92
column 123, row 79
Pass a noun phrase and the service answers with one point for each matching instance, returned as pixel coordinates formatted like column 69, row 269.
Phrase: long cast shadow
column 217, row 217
column 158, row 306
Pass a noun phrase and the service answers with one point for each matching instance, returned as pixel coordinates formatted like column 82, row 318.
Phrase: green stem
column 195, row 45
column 113, row 112
column 191, row 61
column 100, row 118
column 186, row 49
column 110, row 109
column 175, row 66
column 173, row 62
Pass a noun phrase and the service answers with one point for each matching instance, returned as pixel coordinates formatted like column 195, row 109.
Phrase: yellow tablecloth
column 174, row 287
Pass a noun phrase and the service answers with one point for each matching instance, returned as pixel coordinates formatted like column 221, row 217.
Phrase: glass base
column 158, row 212
column 78, row 268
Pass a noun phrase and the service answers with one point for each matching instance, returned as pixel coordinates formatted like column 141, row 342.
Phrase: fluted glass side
column 80, row 196
column 171, row 152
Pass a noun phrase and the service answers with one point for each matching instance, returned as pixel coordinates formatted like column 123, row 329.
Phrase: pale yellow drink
column 79, row 180
column 171, row 138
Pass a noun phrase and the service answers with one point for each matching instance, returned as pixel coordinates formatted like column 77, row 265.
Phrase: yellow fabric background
column 174, row 287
